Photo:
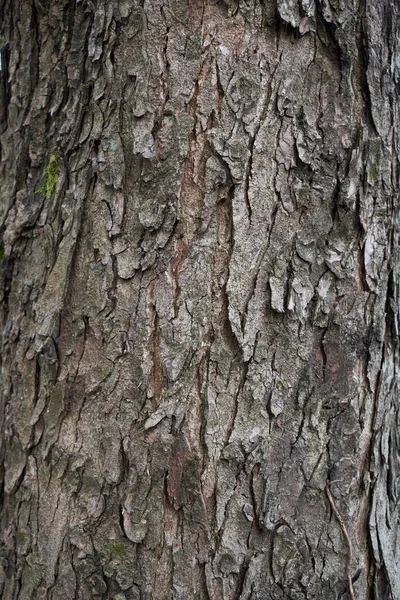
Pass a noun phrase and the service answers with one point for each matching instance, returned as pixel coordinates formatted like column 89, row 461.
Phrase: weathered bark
column 200, row 302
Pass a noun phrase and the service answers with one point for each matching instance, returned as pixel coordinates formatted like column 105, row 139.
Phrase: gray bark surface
column 200, row 299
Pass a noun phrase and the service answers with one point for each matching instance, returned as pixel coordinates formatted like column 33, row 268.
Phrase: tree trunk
column 200, row 299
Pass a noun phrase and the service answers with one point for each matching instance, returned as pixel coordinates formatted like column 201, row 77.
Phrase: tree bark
column 200, row 299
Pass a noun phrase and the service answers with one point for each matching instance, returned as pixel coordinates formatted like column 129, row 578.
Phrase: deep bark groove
column 200, row 314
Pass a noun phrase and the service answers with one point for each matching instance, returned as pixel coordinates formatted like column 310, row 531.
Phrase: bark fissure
column 199, row 319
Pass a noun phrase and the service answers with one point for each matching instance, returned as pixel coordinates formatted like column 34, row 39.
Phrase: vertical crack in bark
column 260, row 417
column 346, row 535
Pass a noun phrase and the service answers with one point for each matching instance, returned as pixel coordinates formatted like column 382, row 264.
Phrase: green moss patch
column 119, row 549
column 50, row 176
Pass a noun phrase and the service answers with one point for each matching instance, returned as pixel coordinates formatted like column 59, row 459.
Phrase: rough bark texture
column 200, row 301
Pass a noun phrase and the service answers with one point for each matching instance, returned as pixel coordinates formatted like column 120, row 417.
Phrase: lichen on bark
column 199, row 364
